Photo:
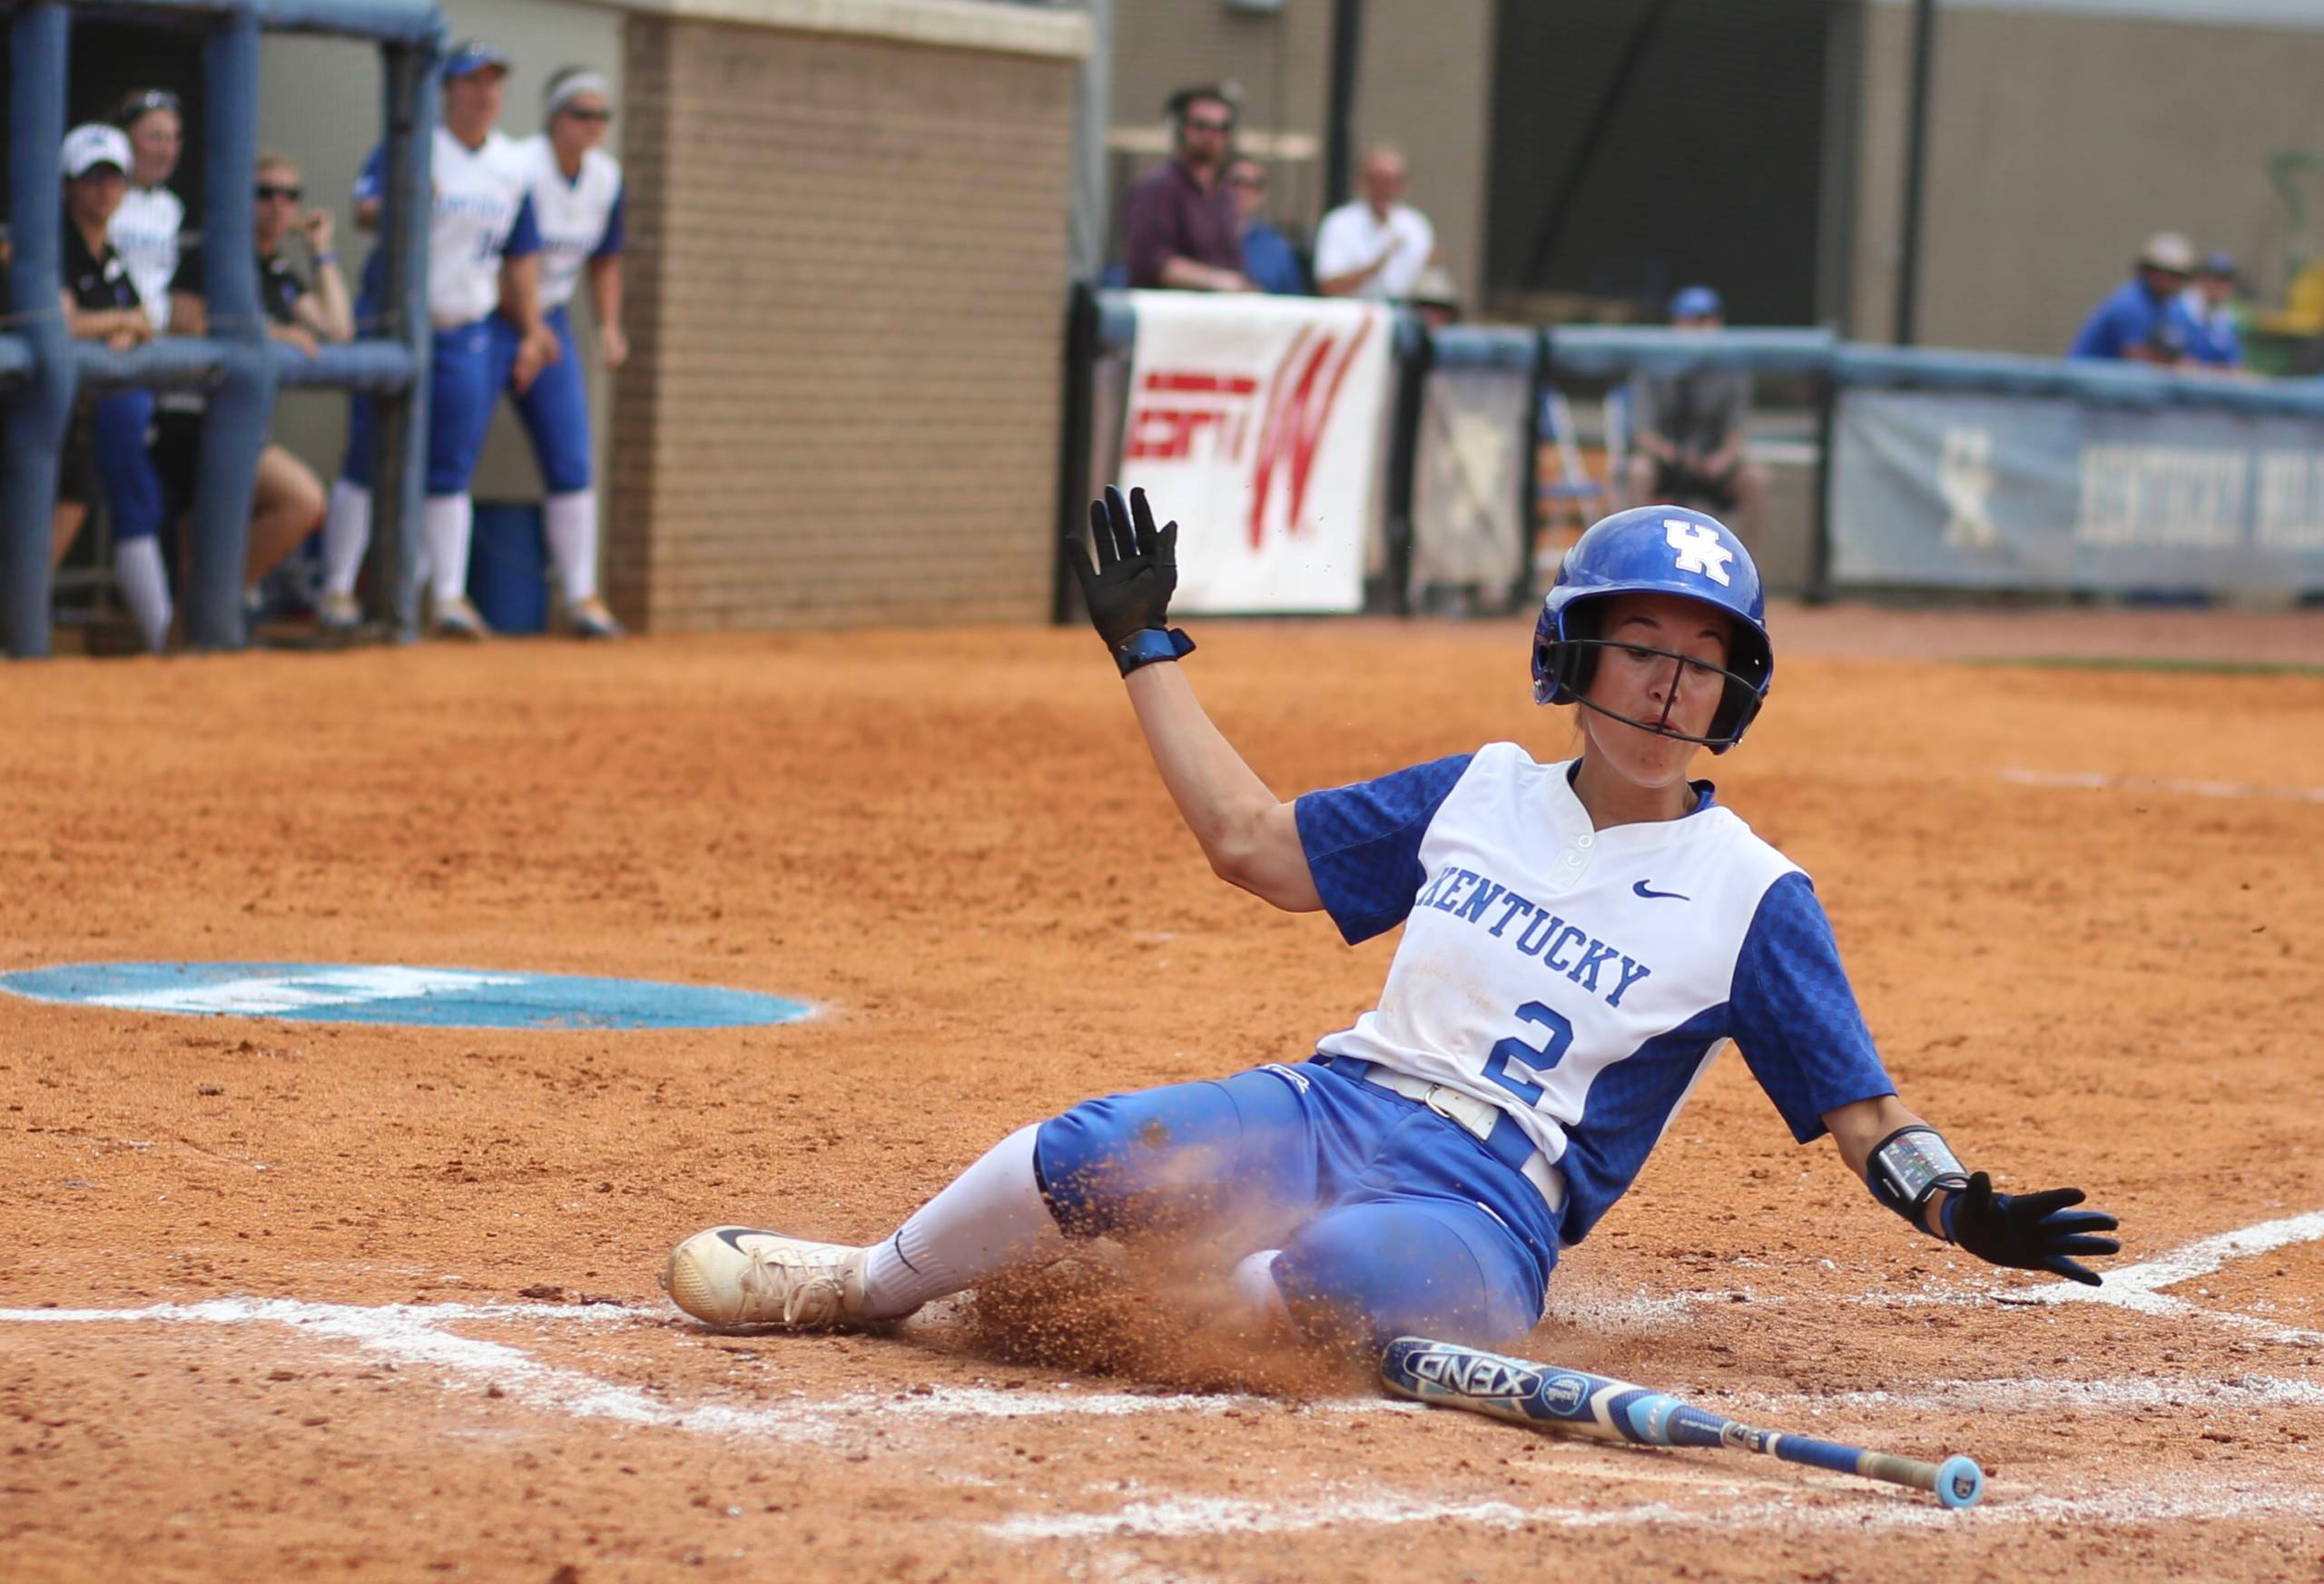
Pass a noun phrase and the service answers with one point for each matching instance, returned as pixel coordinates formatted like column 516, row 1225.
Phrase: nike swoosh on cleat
column 732, row 1235
column 1639, row 890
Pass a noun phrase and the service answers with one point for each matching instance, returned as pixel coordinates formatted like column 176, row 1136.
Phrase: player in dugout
column 1580, row 940
column 286, row 500
column 107, row 439
column 484, row 248
column 576, row 191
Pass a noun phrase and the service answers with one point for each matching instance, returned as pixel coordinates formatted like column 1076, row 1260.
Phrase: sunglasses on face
column 151, row 100
column 1256, row 183
column 588, row 114
column 1207, row 125
column 270, row 190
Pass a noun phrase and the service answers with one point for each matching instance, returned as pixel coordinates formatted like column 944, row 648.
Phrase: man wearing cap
column 145, row 227
column 2140, row 319
column 1687, row 432
column 2212, row 338
column 101, row 303
column 484, row 257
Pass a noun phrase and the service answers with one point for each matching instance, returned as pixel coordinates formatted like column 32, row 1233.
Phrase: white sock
column 993, row 1216
column 145, row 588
column 347, row 535
column 445, row 529
column 569, row 522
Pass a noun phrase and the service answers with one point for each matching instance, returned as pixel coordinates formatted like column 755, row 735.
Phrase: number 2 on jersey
column 1537, row 1058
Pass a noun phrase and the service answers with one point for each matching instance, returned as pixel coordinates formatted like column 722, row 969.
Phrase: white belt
column 1478, row 1117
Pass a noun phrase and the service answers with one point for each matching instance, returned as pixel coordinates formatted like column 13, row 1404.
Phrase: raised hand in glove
column 2033, row 1232
column 1128, row 591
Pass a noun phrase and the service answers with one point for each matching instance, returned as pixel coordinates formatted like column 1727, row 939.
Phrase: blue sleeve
column 1794, row 1017
column 609, row 245
column 1362, row 843
column 525, row 236
column 374, row 178
column 2098, row 337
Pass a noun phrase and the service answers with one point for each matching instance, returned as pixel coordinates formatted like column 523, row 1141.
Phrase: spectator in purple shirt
column 1182, row 225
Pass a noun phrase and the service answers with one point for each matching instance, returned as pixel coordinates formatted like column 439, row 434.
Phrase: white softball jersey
column 144, row 232
column 1582, row 980
column 580, row 217
column 479, row 217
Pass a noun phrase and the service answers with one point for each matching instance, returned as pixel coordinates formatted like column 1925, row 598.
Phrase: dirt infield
column 286, row 1298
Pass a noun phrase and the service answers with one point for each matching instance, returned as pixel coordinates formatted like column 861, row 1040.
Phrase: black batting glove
column 1128, row 591
column 2033, row 1232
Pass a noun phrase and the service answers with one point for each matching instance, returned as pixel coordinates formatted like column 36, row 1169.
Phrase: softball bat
column 1575, row 1401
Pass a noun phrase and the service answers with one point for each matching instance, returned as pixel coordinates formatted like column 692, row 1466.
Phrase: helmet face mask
column 1656, row 550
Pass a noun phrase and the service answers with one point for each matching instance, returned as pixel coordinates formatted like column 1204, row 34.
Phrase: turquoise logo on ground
column 435, row 998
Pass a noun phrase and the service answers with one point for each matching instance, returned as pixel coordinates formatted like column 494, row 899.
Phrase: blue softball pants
column 1391, row 1220
column 554, row 407
column 125, row 469
column 460, row 394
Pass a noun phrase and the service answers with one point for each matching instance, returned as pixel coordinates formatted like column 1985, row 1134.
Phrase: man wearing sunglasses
column 287, row 504
column 1181, row 225
column 144, row 229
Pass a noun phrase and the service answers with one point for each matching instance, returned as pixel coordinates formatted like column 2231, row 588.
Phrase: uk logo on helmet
column 1698, row 548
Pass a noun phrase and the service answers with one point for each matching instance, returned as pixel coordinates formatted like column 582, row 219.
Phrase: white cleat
column 740, row 1276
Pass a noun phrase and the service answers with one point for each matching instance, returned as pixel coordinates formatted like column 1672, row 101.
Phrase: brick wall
column 846, row 287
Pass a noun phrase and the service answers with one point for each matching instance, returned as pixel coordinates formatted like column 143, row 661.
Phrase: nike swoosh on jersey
column 1639, row 889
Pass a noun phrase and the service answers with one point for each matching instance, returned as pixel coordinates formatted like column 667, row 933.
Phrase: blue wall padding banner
column 439, row 998
column 1969, row 491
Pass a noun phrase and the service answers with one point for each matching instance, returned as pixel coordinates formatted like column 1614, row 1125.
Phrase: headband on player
column 564, row 91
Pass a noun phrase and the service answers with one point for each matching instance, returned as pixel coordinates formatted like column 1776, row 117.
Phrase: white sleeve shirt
column 144, row 232
column 1352, row 236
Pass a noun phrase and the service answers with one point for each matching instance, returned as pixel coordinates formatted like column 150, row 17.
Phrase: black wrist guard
column 1911, row 1166
column 1148, row 644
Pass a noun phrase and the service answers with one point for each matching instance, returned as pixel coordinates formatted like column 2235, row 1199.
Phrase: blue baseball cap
column 472, row 56
column 1696, row 302
column 2219, row 265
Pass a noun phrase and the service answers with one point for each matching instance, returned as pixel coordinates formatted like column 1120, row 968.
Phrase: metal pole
column 1528, row 475
column 1073, row 442
column 1908, row 243
column 234, row 430
column 1414, row 353
column 1092, row 116
column 40, row 406
column 399, row 471
column 1339, row 114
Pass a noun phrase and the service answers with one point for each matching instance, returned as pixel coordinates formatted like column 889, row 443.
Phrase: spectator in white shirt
column 144, row 229
column 1378, row 246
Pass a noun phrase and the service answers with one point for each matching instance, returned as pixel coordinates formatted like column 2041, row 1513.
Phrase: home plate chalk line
column 423, row 1335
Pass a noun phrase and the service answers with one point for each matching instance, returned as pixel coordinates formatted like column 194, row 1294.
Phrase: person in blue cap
column 484, row 258
column 2213, row 339
column 1689, row 432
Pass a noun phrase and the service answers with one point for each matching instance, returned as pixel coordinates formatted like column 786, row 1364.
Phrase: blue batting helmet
column 1657, row 549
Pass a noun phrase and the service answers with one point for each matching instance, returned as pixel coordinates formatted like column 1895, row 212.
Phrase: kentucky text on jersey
column 1545, row 935
column 1519, row 980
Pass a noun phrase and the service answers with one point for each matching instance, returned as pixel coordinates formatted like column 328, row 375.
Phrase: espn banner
column 1982, row 491
column 1256, row 423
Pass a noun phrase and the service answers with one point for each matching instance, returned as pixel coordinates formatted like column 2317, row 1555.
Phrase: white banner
column 1257, row 422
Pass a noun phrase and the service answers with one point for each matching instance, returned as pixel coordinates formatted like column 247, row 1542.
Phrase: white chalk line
column 2094, row 781
column 1192, row 1516
column 420, row 1334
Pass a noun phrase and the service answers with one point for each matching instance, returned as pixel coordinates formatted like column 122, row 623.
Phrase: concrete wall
column 1426, row 86
column 1280, row 63
column 2058, row 141
column 848, row 276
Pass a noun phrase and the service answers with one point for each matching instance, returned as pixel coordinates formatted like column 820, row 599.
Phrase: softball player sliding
column 483, row 259
column 576, row 189
column 1580, row 938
